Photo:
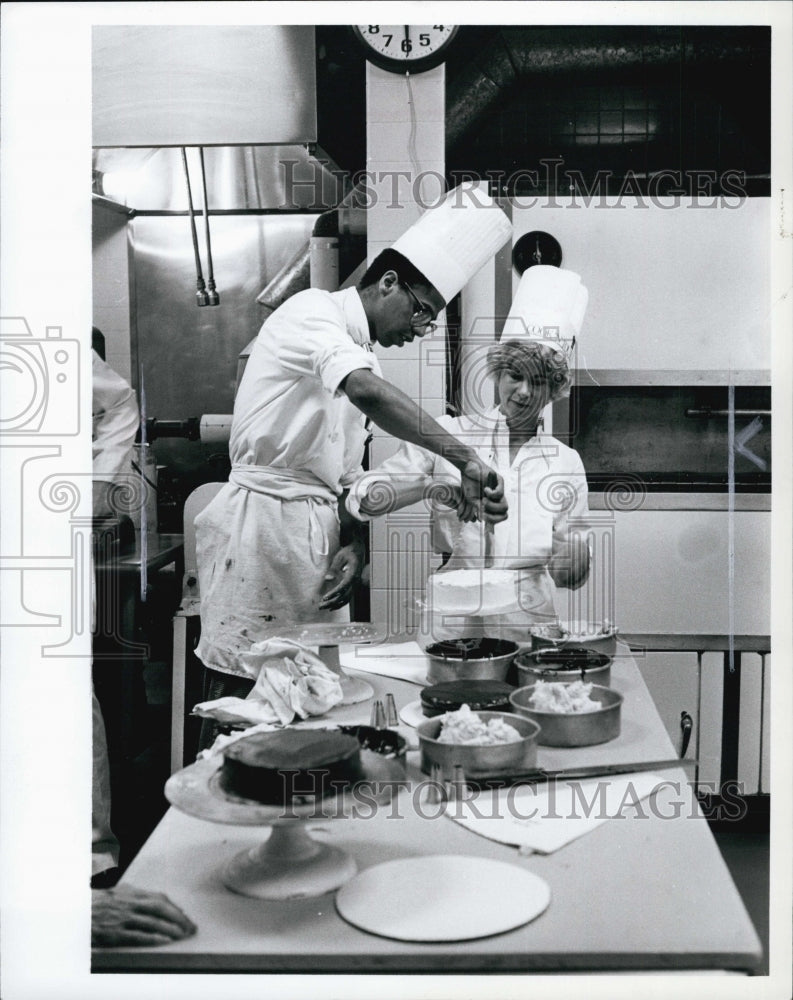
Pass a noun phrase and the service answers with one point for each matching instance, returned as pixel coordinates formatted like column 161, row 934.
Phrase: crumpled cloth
column 291, row 681
column 223, row 741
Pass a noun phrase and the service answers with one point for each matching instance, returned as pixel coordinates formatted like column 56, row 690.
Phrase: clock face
column 405, row 48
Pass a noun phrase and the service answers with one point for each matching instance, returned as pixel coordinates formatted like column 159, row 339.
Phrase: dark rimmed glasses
column 423, row 317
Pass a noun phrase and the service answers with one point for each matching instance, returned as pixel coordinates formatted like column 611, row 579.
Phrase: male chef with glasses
column 278, row 531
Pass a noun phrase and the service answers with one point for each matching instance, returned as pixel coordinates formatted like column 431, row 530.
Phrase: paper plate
column 442, row 898
column 411, row 714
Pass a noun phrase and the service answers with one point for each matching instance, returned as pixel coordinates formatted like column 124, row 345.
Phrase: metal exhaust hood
column 277, row 178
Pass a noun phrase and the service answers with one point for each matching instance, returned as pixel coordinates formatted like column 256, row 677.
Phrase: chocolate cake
column 491, row 696
column 275, row 768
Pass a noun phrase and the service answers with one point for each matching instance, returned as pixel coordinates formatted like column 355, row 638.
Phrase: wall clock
column 403, row 48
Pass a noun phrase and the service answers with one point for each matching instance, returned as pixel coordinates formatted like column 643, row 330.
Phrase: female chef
column 545, row 481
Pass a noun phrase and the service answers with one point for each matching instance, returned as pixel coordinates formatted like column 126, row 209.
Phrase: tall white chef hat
column 548, row 308
column 453, row 240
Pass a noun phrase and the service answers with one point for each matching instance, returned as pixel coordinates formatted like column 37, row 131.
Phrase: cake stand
column 289, row 864
column 328, row 637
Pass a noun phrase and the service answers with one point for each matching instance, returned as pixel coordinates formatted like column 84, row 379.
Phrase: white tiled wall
column 111, row 287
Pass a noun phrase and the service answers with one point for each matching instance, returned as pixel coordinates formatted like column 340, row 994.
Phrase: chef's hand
column 569, row 563
column 126, row 917
column 482, row 494
column 344, row 570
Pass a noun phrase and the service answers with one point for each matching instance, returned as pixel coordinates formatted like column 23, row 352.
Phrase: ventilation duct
column 524, row 55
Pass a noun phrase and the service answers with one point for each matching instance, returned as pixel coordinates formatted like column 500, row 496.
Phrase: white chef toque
column 548, row 308
column 454, row 240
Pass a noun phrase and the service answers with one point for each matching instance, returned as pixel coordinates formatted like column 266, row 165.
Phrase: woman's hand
column 569, row 563
column 345, row 568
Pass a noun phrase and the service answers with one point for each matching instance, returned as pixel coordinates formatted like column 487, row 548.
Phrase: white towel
column 291, row 681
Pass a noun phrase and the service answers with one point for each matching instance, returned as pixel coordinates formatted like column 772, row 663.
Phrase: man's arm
column 397, row 414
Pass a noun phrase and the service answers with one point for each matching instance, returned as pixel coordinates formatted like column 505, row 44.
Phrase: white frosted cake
column 472, row 591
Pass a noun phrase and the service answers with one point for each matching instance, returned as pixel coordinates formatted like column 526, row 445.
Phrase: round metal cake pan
column 480, row 761
column 563, row 665
column 447, row 661
column 579, row 729
column 590, row 635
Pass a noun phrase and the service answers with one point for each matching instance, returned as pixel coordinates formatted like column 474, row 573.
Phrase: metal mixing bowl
column 563, row 665
column 469, row 660
column 579, row 729
column 480, row 761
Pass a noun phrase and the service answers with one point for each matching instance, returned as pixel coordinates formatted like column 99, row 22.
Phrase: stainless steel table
column 649, row 892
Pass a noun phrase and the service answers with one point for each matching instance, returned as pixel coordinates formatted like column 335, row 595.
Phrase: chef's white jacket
column 114, row 410
column 115, row 421
column 265, row 542
column 290, row 415
column 545, row 487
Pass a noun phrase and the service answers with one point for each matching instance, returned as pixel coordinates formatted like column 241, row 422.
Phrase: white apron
column 264, row 545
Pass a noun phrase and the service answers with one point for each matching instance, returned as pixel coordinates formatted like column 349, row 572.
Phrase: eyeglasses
column 423, row 317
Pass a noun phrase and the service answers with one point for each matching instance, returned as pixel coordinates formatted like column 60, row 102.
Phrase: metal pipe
column 348, row 218
column 708, row 412
column 213, row 297
column 202, row 298
column 293, row 277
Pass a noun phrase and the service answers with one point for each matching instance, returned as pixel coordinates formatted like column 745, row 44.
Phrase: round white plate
column 411, row 714
column 442, row 898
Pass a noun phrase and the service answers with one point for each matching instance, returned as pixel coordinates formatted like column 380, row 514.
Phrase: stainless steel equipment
column 480, row 761
column 469, row 659
column 580, row 729
column 564, row 665
column 586, row 635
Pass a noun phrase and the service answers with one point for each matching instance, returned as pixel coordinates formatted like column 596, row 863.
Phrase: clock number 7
column 387, row 39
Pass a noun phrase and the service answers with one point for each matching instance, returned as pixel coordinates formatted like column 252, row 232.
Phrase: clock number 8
column 374, row 29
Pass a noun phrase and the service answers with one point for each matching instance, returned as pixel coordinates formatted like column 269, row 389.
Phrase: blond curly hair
column 540, row 361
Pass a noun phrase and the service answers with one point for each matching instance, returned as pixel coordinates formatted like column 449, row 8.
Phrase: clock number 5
column 424, row 39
